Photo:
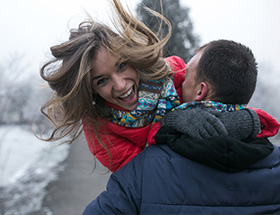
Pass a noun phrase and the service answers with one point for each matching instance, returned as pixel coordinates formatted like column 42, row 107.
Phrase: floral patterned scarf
column 211, row 104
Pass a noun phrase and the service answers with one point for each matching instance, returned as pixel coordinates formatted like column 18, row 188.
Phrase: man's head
column 223, row 71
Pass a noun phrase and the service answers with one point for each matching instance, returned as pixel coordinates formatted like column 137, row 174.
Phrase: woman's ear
column 202, row 92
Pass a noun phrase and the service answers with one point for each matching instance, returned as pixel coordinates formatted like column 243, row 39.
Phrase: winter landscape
column 28, row 166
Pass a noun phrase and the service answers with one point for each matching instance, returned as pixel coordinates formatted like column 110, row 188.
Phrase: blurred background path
column 78, row 184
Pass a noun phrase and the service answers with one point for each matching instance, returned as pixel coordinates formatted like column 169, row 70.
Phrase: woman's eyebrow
column 115, row 65
column 117, row 62
column 96, row 77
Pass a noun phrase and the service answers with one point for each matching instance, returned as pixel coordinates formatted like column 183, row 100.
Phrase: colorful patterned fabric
column 156, row 98
column 211, row 104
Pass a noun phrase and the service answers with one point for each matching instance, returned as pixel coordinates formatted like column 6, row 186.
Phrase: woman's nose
column 119, row 83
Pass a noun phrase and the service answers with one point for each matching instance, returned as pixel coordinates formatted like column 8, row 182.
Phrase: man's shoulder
column 146, row 162
column 147, row 157
column 159, row 150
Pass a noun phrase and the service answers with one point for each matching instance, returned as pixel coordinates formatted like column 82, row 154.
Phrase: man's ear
column 202, row 92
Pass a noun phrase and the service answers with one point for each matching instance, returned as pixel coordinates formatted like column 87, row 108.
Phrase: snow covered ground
column 27, row 166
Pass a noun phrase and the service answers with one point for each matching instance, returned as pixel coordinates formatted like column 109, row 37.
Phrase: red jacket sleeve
column 123, row 144
column 269, row 125
column 178, row 66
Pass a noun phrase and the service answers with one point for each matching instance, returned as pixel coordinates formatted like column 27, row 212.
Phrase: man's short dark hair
column 230, row 68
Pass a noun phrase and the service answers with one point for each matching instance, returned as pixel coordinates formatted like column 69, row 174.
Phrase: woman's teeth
column 127, row 94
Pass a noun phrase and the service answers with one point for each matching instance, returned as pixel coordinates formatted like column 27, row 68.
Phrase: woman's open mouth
column 129, row 100
column 127, row 94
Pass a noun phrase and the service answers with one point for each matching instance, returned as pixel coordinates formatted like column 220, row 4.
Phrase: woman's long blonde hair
column 69, row 72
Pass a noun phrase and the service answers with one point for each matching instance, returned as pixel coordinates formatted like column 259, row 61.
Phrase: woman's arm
column 269, row 125
column 123, row 144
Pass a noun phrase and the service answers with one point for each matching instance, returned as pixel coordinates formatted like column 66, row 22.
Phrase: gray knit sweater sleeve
column 241, row 124
column 203, row 123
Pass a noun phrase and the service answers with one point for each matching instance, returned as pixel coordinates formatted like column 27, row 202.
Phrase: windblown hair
column 69, row 73
column 230, row 68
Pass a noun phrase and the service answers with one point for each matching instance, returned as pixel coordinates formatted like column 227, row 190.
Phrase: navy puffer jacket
column 160, row 181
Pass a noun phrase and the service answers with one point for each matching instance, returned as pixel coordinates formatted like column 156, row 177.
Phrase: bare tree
column 15, row 89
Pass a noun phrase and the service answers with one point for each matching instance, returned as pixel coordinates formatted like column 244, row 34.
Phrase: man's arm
column 201, row 123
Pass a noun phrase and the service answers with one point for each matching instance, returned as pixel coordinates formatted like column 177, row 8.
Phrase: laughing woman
column 113, row 86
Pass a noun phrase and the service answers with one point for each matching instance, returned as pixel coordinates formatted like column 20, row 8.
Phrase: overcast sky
column 30, row 27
